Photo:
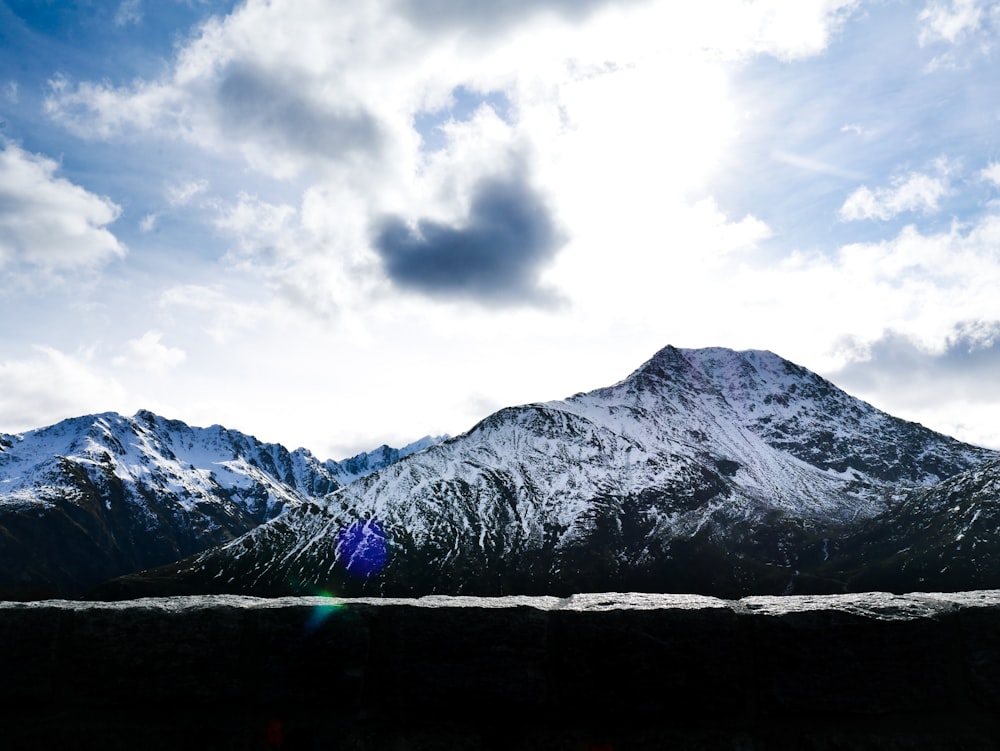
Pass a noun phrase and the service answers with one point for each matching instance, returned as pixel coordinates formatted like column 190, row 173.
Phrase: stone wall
column 597, row 672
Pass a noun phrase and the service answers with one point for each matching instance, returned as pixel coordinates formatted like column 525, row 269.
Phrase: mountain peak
column 721, row 393
column 718, row 366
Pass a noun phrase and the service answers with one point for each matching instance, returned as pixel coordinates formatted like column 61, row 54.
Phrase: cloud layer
column 52, row 386
column 319, row 194
column 950, row 385
column 47, row 221
column 148, row 353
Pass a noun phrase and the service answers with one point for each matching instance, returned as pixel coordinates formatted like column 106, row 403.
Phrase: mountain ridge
column 97, row 496
column 706, row 471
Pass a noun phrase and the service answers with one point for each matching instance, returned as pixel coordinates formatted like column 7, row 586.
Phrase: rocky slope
column 707, row 471
column 939, row 538
column 99, row 496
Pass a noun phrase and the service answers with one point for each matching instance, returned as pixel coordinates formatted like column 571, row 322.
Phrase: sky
column 334, row 224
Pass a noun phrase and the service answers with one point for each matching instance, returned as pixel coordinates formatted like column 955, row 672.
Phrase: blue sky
column 334, row 224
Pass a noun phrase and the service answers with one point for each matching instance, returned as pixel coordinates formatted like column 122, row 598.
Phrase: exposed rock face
column 592, row 672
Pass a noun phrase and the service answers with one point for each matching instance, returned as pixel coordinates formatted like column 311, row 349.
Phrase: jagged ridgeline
column 95, row 497
column 707, row 471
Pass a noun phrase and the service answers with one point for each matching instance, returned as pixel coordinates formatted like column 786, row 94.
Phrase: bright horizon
column 336, row 225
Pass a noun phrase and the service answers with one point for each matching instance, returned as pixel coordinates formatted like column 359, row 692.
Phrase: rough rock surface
column 596, row 672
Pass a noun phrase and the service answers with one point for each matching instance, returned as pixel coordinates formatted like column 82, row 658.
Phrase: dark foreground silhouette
column 599, row 672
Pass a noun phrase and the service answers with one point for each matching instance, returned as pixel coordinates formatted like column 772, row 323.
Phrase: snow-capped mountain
column 99, row 496
column 347, row 471
column 706, row 471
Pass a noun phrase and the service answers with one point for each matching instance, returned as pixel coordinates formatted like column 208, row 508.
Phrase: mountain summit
column 708, row 471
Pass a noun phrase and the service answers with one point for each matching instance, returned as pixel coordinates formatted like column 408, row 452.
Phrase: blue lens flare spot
column 362, row 548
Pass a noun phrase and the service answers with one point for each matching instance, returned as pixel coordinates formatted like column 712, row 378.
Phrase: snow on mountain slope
column 94, row 497
column 184, row 466
column 347, row 471
column 705, row 470
column 727, row 403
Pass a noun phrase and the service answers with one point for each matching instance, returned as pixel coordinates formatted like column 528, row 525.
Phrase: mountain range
column 92, row 498
column 707, row 471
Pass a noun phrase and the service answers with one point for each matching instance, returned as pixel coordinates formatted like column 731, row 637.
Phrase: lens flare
column 323, row 611
column 362, row 548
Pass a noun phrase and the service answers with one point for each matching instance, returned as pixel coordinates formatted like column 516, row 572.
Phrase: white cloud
column 991, row 173
column 52, row 386
column 799, row 29
column 216, row 309
column 257, row 223
column 148, row 223
column 967, row 28
column 181, row 194
column 11, row 92
column 912, row 192
column 950, row 21
column 49, row 222
column 920, row 286
column 99, row 111
column 723, row 236
column 148, row 353
column 293, row 250
column 129, row 12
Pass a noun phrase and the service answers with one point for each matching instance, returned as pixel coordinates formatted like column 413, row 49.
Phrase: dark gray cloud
column 969, row 366
column 495, row 15
column 495, row 257
column 256, row 103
